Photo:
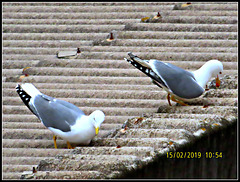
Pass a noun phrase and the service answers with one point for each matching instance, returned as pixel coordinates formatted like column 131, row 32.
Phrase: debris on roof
column 152, row 19
column 182, row 6
column 68, row 54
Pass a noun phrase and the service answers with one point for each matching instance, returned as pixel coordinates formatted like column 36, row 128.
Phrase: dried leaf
column 25, row 71
column 21, row 78
column 138, row 120
column 110, row 37
column 145, row 18
column 34, row 170
column 122, row 131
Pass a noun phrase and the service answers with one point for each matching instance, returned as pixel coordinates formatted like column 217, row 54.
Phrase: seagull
column 180, row 84
column 62, row 118
column 68, row 54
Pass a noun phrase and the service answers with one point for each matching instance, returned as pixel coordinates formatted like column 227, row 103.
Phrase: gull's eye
column 220, row 72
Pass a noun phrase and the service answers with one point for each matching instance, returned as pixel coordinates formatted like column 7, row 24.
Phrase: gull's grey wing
column 56, row 113
column 65, row 103
column 181, row 82
column 180, row 69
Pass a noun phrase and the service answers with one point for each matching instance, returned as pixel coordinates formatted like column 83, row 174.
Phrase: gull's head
column 212, row 68
column 215, row 67
column 97, row 117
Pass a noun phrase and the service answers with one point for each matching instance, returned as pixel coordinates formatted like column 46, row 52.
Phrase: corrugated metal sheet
column 140, row 127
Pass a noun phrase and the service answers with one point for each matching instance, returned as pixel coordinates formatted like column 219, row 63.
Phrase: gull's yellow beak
column 185, row 5
column 218, row 82
column 97, row 130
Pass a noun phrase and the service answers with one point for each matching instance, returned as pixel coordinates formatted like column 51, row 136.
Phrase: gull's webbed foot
column 178, row 101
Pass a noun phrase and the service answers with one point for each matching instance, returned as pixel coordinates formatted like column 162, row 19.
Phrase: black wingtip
column 130, row 54
column 25, row 97
column 128, row 60
column 18, row 86
column 143, row 68
column 134, row 57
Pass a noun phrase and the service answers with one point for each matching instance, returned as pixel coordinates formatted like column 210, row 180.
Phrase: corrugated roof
column 139, row 124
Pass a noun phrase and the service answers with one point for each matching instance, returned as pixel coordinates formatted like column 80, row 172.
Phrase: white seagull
column 62, row 118
column 180, row 84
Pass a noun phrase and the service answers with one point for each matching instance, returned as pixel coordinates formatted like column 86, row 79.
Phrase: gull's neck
column 203, row 75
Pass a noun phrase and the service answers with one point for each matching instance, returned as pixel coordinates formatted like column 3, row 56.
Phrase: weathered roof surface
column 139, row 123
